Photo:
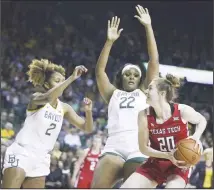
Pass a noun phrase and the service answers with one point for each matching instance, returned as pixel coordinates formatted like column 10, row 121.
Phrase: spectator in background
column 7, row 132
column 202, row 176
column 63, row 157
column 66, row 177
column 63, row 132
column 3, row 118
column 54, row 179
column 11, row 117
column 207, row 139
column 73, row 139
column 56, row 152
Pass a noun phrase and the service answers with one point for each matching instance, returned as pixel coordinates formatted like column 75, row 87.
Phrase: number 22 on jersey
column 127, row 102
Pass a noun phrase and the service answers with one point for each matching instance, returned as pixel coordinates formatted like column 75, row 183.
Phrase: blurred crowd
column 39, row 31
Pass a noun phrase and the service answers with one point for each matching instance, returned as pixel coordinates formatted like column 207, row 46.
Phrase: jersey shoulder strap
column 176, row 111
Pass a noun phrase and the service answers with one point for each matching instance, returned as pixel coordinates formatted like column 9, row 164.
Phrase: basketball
column 186, row 151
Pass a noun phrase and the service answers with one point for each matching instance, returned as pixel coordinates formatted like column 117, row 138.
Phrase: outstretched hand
column 78, row 71
column 112, row 32
column 88, row 104
column 143, row 15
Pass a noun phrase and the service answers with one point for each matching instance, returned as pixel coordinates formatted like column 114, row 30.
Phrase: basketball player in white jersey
column 121, row 155
column 27, row 160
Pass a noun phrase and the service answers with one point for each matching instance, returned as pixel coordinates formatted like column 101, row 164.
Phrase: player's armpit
column 37, row 99
column 105, row 87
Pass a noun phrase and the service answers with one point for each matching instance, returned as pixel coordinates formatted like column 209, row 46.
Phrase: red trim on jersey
column 164, row 136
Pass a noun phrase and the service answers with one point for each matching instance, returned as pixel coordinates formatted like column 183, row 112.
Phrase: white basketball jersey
column 41, row 128
column 123, row 110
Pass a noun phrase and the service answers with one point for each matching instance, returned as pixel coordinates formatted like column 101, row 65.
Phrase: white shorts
column 33, row 163
column 125, row 145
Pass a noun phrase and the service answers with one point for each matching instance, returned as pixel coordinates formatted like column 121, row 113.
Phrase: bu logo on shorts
column 13, row 161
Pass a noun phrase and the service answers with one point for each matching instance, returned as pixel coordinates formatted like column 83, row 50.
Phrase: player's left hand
column 88, row 104
column 144, row 16
column 198, row 142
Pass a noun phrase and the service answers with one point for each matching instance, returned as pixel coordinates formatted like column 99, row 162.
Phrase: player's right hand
column 197, row 143
column 78, row 71
column 112, row 32
column 178, row 163
column 143, row 15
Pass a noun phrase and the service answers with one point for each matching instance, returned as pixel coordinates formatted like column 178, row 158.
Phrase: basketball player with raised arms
column 121, row 155
column 27, row 160
column 85, row 165
column 163, row 125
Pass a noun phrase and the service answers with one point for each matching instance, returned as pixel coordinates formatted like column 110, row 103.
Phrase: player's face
column 130, row 79
column 55, row 79
column 152, row 93
column 97, row 142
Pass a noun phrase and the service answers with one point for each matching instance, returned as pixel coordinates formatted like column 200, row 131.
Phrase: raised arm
column 192, row 116
column 153, row 65
column 74, row 119
column 52, row 94
column 143, row 139
column 105, row 87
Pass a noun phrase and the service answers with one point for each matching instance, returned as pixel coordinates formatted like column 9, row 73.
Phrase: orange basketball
column 186, row 151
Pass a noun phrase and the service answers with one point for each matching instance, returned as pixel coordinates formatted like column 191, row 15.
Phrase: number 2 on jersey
column 127, row 102
column 92, row 166
column 167, row 144
column 52, row 126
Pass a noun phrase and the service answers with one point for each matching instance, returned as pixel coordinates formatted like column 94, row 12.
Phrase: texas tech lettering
column 168, row 130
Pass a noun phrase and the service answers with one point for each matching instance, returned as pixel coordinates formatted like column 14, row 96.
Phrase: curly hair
column 170, row 84
column 41, row 70
column 118, row 77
